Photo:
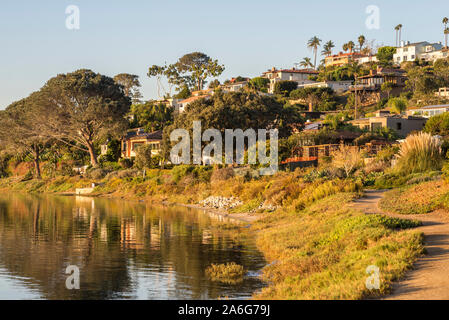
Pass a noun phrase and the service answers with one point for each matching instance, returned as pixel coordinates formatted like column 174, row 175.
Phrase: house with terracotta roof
column 301, row 76
column 342, row 59
column 138, row 137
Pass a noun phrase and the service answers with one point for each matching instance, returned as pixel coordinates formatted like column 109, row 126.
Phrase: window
column 136, row 146
column 398, row 126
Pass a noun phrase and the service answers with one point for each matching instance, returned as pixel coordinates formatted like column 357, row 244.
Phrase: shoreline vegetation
column 315, row 244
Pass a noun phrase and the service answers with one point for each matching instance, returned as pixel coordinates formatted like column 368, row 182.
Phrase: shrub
column 420, row 153
column 126, row 163
column 110, row 166
column 96, row 173
column 144, row 158
column 182, row 171
column 227, row 273
column 222, row 174
column 347, row 159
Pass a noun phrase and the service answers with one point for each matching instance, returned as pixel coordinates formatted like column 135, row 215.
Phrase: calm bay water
column 124, row 250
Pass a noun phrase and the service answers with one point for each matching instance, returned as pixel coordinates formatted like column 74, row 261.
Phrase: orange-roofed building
column 342, row 59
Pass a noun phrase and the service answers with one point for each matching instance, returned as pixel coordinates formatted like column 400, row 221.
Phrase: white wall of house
column 338, row 86
column 284, row 75
column 411, row 52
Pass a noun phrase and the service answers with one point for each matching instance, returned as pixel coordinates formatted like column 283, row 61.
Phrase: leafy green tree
column 214, row 84
column 151, row 116
column 144, row 158
column 438, row 125
column 81, row 109
column 236, row 110
column 21, row 133
column 322, row 99
column 131, row 85
column 184, row 93
column 387, row 87
column 285, row 87
column 385, row 56
column 397, row 105
column 259, row 84
column 191, row 70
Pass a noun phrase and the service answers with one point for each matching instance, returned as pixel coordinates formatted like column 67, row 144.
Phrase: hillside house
column 301, row 76
column 342, row 59
column 138, row 137
column 415, row 51
column 429, row 111
column 337, row 86
column 402, row 125
column 369, row 87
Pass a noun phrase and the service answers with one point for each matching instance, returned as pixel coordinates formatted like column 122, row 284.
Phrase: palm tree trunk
column 314, row 65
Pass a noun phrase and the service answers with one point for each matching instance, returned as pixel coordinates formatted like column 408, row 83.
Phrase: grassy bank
column 317, row 246
column 421, row 198
column 323, row 251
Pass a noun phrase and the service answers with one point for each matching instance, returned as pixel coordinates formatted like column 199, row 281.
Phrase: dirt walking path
column 429, row 280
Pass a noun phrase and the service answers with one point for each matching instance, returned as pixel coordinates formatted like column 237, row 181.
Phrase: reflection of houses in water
column 155, row 236
column 207, row 237
column 83, row 208
column 128, row 234
column 104, row 232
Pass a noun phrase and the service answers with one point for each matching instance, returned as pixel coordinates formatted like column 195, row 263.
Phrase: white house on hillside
column 337, row 86
column 412, row 51
column 301, row 76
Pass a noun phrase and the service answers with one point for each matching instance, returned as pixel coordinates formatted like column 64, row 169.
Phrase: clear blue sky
column 247, row 36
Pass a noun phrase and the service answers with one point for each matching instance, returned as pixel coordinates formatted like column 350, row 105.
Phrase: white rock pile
column 221, row 202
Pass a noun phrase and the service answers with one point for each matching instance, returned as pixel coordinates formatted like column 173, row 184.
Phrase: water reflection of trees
column 41, row 235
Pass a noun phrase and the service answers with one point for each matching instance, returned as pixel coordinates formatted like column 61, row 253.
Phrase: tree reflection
column 118, row 246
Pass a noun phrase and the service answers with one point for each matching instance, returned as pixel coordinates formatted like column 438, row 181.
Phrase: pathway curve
column 429, row 280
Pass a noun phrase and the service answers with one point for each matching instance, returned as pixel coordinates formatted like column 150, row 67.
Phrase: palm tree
column 327, row 48
column 345, row 47
column 306, row 63
column 351, row 46
column 398, row 29
column 445, row 22
column 362, row 41
column 313, row 45
column 446, row 33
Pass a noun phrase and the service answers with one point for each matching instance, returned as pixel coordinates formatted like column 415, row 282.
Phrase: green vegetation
column 231, row 273
column 191, row 70
column 385, row 56
column 323, row 251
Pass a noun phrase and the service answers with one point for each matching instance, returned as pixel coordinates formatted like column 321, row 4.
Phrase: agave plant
column 420, row 152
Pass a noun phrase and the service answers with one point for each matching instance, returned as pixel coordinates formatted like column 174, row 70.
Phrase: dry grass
column 323, row 251
column 418, row 199
column 420, row 153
